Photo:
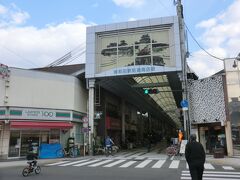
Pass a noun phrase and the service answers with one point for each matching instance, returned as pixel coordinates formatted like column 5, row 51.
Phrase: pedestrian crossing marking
column 208, row 166
column 115, row 163
column 124, row 163
column 216, row 172
column 75, row 162
column 101, row 163
column 214, row 175
column 57, row 163
column 143, row 164
column 86, row 163
column 140, row 158
column 159, row 164
column 228, row 168
column 174, row 164
column 128, row 164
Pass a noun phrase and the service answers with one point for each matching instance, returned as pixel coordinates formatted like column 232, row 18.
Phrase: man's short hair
column 193, row 137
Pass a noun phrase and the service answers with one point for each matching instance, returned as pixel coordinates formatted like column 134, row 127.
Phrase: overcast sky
column 35, row 33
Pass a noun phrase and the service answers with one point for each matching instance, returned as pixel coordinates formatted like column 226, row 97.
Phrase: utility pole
column 184, row 65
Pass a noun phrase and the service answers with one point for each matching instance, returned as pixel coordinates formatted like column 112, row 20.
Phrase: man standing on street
column 195, row 156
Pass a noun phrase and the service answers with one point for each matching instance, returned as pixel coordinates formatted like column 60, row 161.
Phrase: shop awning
column 33, row 124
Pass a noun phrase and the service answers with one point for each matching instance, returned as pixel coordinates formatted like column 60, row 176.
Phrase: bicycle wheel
column 25, row 172
column 60, row 153
column 37, row 170
column 107, row 151
column 71, row 152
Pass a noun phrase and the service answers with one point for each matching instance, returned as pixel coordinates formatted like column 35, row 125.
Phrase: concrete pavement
column 229, row 161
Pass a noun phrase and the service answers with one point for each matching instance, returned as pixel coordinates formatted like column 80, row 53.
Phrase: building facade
column 209, row 114
column 233, row 100
column 42, row 107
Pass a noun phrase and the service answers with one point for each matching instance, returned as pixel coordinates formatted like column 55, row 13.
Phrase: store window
column 54, row 136
column 14, row 144
column 79, row 134
column 44, row 137
column 28, row 138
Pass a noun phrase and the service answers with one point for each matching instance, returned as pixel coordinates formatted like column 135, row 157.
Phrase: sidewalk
column 17, row 162
column 226, row 161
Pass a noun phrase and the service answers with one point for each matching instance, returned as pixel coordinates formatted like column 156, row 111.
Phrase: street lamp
column 235, row 62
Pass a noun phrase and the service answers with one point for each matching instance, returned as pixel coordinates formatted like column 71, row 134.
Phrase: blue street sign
column 184, row 104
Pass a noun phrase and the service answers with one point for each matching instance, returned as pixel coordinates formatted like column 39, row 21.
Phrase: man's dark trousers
column 196, row 172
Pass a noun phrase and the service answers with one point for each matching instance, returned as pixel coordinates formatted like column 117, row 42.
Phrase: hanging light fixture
column 234, row 64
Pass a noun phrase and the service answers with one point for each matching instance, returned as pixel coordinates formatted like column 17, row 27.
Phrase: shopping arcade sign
column 40, row 114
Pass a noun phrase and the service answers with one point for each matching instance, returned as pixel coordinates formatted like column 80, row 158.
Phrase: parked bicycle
column 32, row 166
column 172, row 150
column 62, row 152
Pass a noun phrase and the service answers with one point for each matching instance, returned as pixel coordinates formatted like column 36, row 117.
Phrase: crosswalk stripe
column 101, row 163
column 216, row 172
column 140, row 158
column 205, row 178
column 143, row 164
column 208, row 166
column 174, row 164
column 215, row 175
column 159, row 164
column 228, row 168
column 57, row 163
column 85, row 163
column 115, row 163
column 156, row 163
column 128, row 164
column 75, row 162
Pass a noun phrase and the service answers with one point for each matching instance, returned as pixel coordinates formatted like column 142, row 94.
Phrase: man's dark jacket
column 195, row 154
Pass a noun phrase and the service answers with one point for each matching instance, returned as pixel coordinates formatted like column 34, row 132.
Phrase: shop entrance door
column 28, row 137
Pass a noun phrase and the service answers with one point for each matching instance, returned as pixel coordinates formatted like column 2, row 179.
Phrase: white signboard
column 39, row 114
column 183, row 146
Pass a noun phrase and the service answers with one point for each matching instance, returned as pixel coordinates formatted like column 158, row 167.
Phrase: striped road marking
column 75, row 162
column 114, row 163
column 159, row 164
column 128, row 164
column 57, row 163
column 89, row 162
column 214, row 175
column 208, row 166
column 143, row 164
column 228, row 168
column 174, row 164
column 101, row 163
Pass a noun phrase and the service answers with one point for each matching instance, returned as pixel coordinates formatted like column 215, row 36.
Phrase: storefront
column 210, row 135
column 26, row 126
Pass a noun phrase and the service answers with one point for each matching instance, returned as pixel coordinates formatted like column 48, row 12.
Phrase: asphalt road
column 92, row 173
column 117, row 173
